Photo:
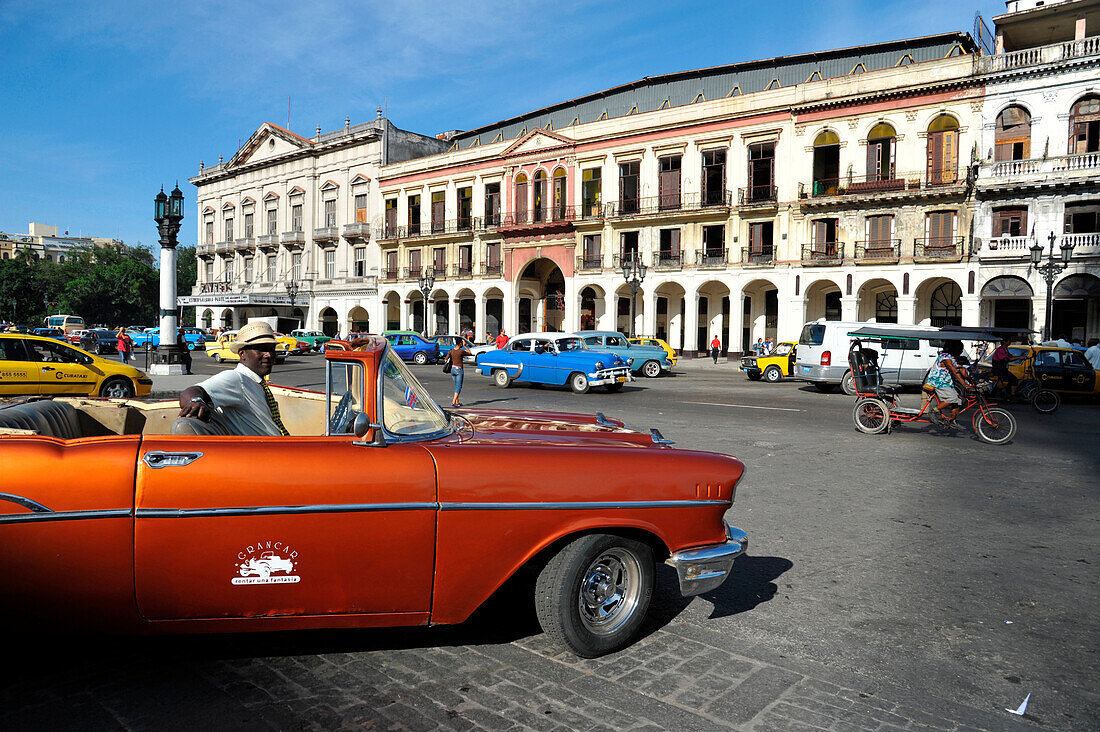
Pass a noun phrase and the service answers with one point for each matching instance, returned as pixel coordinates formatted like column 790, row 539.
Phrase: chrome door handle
column 157, row 459
column 48, row 368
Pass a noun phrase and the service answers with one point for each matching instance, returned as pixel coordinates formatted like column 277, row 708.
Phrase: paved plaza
column 917, row 580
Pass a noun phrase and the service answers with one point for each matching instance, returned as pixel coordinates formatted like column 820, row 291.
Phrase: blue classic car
column 411, row 347
column 647, row 360
column 554, row 358
column 150, row 337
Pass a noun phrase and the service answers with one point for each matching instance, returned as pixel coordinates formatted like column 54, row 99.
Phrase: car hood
column 544, row 428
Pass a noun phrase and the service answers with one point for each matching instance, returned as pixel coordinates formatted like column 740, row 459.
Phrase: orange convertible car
column 116, row 515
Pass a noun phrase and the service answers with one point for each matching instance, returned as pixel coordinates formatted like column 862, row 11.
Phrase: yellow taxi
column 218, row 349
column 1064, row 370
column 36, row 365
column 656, row 343
column 772, row 366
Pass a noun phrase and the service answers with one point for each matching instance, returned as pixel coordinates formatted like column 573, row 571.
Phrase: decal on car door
column 266, row 563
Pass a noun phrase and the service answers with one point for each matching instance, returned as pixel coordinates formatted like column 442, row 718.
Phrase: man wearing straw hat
column 240, row 398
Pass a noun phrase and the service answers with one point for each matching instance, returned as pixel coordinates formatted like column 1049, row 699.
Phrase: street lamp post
column 292, row 295
column 1050, row 269
column 634, row 273
column 426, row 283
column 168, row 212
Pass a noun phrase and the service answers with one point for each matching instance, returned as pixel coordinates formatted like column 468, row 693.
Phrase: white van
column 822, row 356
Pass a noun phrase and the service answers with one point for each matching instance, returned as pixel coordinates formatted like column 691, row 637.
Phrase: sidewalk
column 169, row 387
column 706, row 364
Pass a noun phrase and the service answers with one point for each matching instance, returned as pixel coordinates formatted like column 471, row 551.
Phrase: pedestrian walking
column 181, row 343
column 454, row 359
column 502, row 339
column 124, row 344
column 715, row 348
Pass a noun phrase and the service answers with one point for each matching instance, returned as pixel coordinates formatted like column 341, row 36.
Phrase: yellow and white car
column 35, row 365
column 219, row 349
column 657, row 343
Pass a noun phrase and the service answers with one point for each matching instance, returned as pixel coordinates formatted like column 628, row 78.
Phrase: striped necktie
column 274, row 407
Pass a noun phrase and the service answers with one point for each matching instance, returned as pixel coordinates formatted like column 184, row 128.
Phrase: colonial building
column 284, row 226
column 1040, row 170
column 758, row 196
column 45, row 242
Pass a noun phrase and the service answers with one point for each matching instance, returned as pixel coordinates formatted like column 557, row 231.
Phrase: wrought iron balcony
column 668, row 204
column 716, row 199
column 668, row 260
column 391, row 274
column 492, row 268
column 757, row 196
column 462, row 270
column 439, row 271
column 412, row 273
column 763, row 257
column 822, row 253
column 939, row 248
column 618, row 259
column 450, row 227
column 712, row 258
column 827, row 191
column 590, row 263
column 878, row 251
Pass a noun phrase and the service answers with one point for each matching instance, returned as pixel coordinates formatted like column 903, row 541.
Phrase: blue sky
column 105, row 101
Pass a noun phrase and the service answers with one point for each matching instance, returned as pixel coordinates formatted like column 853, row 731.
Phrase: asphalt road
column 920, row 579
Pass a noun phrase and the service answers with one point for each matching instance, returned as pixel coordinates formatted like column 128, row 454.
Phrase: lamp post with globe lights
column 426, row 283
column 1050, row 269
column 292, row 296
column 634, row 271
column 168, row 212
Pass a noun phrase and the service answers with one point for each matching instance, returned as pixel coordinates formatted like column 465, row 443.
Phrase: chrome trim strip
column 276, row 510
column 24, row 502
column 577, row 505
column 18, row 518
column 156, row 458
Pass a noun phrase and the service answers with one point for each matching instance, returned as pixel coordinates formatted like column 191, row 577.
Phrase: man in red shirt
column 715, row 348
column 502, row 340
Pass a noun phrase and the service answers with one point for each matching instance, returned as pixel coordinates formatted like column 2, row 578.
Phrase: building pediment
column 269, row 141
column 537, row 142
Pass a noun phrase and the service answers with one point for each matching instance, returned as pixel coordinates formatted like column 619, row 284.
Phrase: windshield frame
column 380, row 401
column 581, row 345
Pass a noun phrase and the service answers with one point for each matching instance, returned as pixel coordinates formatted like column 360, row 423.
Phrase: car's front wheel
column 592, row 596
column 651, row 369
column 501, row 378
column 420, row 358
column 578, row 382
column 217, row 358
column 117, row 388
column 773, row 374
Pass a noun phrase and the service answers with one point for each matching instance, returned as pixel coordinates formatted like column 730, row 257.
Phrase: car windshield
column 407, row 409
column 569, row 344
column 782, row 349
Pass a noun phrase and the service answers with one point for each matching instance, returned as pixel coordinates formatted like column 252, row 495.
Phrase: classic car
column 99, row 341
column 773, row 366
column 219, row 350
column 1064, row 370
column 447, row 342
column 410, row 346
column 143, row 337
column 656, row 343
column 428, row 514
column 314, row 338
column 54, row 333
column 554, row 358
column 36, row 365
column 75, row 336
column 150, row 337
column 647, row 360
column 265, row 564
column 294, row 344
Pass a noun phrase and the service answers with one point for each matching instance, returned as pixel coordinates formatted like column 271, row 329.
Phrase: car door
column 1080, row 376
column 1049, row 371
column 231, row 527
column 406, row 346
column 18, row 373
column 60, row 370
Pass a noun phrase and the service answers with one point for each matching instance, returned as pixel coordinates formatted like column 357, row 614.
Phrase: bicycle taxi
column 1029, row 389
column 878, row 407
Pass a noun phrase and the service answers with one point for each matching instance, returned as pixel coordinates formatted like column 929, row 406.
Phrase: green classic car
column 314, row 338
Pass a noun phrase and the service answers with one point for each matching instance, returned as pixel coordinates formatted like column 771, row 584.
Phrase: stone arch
column 939, row 301
column 1084, row 124
column 358, row 320
column 878, row 301
column 760, row 316
column 713, row 316
column 391, row 304
column 494, row 311
column 1006, row 302
column 668, row 302
column 540, row 296
column 1076, row 307
column 822, row 298
column 592, row 300
column 227, row 319
column 439, row 323
column 330, row 322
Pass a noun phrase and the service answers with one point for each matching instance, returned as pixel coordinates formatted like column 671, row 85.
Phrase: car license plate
column 621, row 379
column 805, row 369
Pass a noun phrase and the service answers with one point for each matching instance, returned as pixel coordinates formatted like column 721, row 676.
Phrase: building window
column 492, row 254
column 881, row 151
column 1012, row 139
column 414, row 262
column 629, row 187
column 521, row 198
column 823, row 236
column 465, row 258
column 330, row 263
column 414, row 215
column 439, row 262
column 439, row 210
column 360, row 261
column 669, row 251
column 628, row 246
column 248, row 228
column 880, row 233
column 946, row 305
column 361, row 214
column 714, row 243
column 492, row 204
column 296, row 266
column 590, row 192
column 1082, row 218
column 1010, row 221
column 247, row 270
column 210, row 232
column 330, row 214
column 1084, row 126
column 229, row 270
column 939, row 228
column 761, row 171
column 593, row 258
column 668, row 183
column 886, row 308
column 541, row 201
column 826, row 163
column 229, row 229
column 560, row 194
column 209, row 271
column 760, row 237
column 270, row 274
column 272, row 221
column 296, row 217
column 465, row 208
column 714, row 177
column 943, row 150
column 391, row 265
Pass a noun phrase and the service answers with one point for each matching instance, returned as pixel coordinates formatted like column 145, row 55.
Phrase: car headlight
column 599, row 365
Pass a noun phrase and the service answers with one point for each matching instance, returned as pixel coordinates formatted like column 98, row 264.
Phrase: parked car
column 194, row 337
column 822, row 357
column 649, row 361
column 144, row 337
column 773, row 366
column 37, row 365
column 314, row 338
column 447, row 342
column 410, row 346
column 554, row 358
column 75, row 336
column 294, row 344
column 424, row 516
column 219, row 350
column 1063, row 370
column 54, row 333
column 656, row 343
column 100, row 341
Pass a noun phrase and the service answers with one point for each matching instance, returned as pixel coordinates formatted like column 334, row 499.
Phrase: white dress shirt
column 242, row 400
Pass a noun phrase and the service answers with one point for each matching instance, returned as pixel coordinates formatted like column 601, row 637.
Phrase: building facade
column 284, row 227
column 44, row 241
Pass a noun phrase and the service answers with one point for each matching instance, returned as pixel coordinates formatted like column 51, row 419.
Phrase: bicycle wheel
column 1046, row 401
column 995, row 426
column 871, row 416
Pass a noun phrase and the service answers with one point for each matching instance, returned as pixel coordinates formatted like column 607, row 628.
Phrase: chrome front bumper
column 610, row 376
column 703, row 569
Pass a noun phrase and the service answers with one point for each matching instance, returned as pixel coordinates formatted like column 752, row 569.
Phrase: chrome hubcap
column 609, row 591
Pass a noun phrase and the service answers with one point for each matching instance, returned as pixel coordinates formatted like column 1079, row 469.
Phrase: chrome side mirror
column 362, row 425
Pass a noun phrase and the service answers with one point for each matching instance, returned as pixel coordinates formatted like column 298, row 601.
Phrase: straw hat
column 257, row 333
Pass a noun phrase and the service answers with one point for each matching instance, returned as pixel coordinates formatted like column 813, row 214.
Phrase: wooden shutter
column 756, row 238
column 675, row 237
column 521, row 201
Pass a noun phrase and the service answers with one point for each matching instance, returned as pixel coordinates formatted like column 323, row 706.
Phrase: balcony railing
column 358, row 230
column 712, row 258
column 618, row 259
column 541, row 217
column 1006, row 247
column 1084, row 164
column 224, row 247
column 391, row 274
column 462, row 270
column 756, row 195
column 439, row 271
column 1054, row 53
column 244, row 245
column 267, row 241
column 412, row 273
column 878, row 250
column 764, row 257
column 668, row 260
column 492, row 268
column 590, row 263
column 435, row 228
column 292, row 239
column 666, row 204
column 947, row 247
column 825, row 253
column 1088, row 243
